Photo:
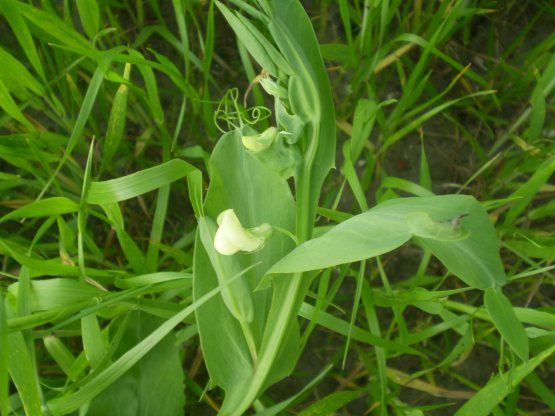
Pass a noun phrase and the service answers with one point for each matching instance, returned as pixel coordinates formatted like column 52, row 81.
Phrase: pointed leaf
column 506, row 321
column 468, row 246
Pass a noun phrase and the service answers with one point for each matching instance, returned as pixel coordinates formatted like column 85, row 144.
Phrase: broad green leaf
column 310, row 96
column 43, row 208
column 361, row 237
column 506, row 321
column 138, row 183
column 154, row 385
column 258, row 195
column 500, row 386
column 467, row 247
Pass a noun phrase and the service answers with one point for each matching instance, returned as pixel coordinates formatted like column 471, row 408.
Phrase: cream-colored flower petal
column 259, row 142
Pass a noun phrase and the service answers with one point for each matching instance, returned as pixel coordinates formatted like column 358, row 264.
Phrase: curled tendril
column 255, row 114
column 230, row 116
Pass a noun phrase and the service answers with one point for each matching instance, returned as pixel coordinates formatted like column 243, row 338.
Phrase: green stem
column 250, row 340
column 288, row 309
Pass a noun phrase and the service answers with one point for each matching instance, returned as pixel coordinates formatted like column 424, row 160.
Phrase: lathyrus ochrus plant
column 249, row 334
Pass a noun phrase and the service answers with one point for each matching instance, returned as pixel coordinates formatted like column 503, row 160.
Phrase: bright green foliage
column 467, row 246
column 158, row 374
column 257, row 195
column 386, row 172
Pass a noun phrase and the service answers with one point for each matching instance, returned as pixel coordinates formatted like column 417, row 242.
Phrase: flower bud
column 259, row 142
column 273, row 88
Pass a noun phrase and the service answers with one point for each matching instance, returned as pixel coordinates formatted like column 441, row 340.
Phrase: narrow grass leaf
column 541, row 390
column 43, row 208
column 35, row 264
column 4, row 359
column 327, row 405
column 352, row 178
column 9, row 106
column 23, row 372
column 55, row 293
column 528, row 191
column 16, row 77
column 60, row 353
column 257, row 46
column 538, row 101
column 93, row 344
column 194, row 185
column 89, row 15
column 113, row 372
column 138, row 183
column 485, row 400
column 363, row 123
column 156, row 381
column 414, row 124
column 277, row 408
column 153, row 97
column 342, row 327
column 130, row 249
column 150, row 279
column 84, row 113
column 52, row 26
column 406, row 186
column 424, row 175
column 116, row 120
column 19, row 27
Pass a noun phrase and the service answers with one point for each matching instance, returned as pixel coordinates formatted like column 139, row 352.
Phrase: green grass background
column 431, row 97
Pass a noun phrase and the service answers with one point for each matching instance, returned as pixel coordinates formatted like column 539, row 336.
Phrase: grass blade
column 483, row 403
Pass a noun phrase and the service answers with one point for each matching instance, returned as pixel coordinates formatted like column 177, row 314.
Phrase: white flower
column 231, row 237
